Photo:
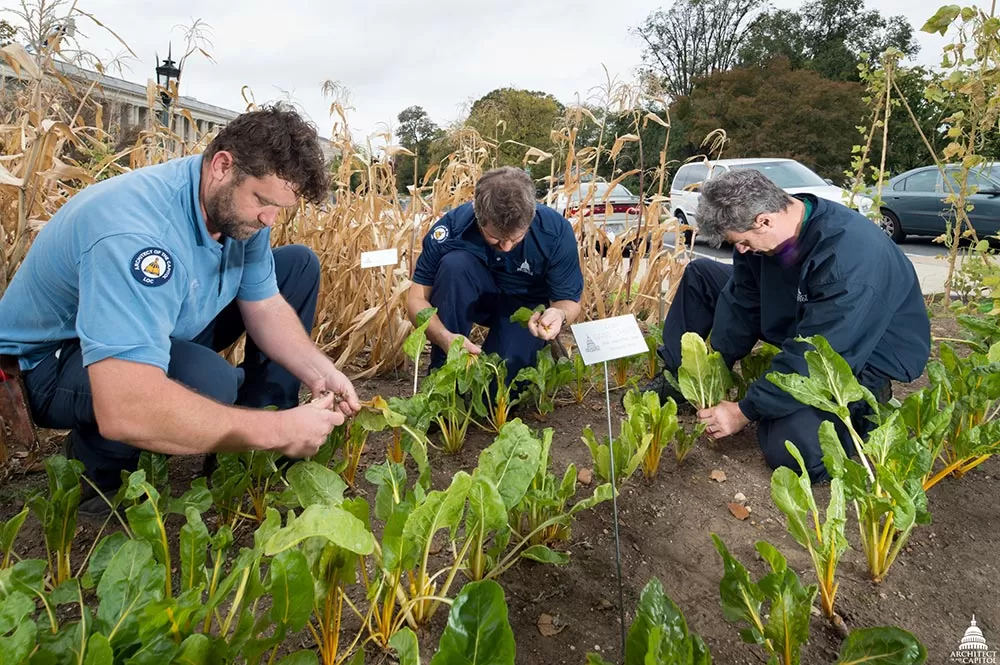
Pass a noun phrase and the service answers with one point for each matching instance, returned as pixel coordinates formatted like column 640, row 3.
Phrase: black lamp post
column 165, row 73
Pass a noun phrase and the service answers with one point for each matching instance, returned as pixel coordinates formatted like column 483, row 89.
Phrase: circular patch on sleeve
column 152, row 266
column 440, row 233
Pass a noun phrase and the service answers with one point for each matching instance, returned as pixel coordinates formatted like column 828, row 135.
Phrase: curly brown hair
column 275, row 141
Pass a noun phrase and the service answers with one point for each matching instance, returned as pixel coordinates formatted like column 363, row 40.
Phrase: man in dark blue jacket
column 485, row 259
column 802, row 266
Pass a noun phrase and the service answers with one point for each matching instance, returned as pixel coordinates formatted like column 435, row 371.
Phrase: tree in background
column 516, row 119
column 829, row 36
column 416, row 132
column 776, row 111
column 7, row 33
column 694, row 38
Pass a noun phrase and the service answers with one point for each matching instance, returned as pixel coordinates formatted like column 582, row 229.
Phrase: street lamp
column 165, row 73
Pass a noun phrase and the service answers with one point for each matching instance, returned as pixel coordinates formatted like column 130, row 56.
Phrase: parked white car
column 792, row 176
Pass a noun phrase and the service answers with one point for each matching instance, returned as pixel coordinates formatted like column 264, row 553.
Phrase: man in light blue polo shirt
column 131, row 289
column 485, row 259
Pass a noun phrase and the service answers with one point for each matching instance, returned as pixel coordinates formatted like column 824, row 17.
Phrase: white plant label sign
column 380, row 257
column 609, row 339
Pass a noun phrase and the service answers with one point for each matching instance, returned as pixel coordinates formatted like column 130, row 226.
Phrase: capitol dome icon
column 973, row 640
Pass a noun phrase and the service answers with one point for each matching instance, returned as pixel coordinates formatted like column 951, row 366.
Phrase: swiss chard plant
column 886, row 488
column 239, row 477
column 535, row 501
column 970, row 387
column 477, row 633
column 629, row 449
column 583, row 379
column 414, row 344
column 57, row 512
column 685, row 438
column 495, row 397
column 651, row 361
column 775, row 609
column 753, row 367
column 660, row 420
column 323, row 542
column 450, row 390
column 825, row 541
column 8, row 534
column 703, row 376
column 659, row 634
column 542, row 516
column 545, row 379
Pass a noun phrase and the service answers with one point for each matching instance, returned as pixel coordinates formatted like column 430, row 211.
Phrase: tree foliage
column 829, row 36
column 7, row 33
column 776, row 111
column 416, row 132
column 694, row 38
column 515, row 119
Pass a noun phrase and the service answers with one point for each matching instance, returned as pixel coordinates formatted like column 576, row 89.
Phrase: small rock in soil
column 740, row 497
column 586, row 476
column 718, row 476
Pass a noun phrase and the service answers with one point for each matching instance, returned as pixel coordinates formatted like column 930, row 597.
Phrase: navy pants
column 59, row 388
column 465, row 293
column 693, row 310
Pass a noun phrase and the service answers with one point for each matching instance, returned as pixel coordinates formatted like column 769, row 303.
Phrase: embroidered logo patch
column 152, row 267
column 525, row 268
column 440, row 233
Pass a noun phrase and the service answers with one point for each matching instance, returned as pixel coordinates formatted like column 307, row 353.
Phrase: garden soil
column 949, row 571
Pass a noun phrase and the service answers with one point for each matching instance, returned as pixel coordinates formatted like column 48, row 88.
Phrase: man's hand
column 474, row 349
column 724, row 419
column 341, row 388
column 546, row 325
column 302, row 430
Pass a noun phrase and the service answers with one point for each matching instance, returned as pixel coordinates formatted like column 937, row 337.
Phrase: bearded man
column 130, row 291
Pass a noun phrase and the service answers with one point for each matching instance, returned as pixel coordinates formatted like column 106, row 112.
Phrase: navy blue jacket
column 848, row 282
column 544, row 267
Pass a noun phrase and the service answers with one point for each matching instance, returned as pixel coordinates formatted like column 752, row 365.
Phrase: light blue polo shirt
column 127, row 265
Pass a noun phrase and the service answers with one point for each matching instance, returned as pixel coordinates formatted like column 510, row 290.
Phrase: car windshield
column 600, row 188
column 785, row 174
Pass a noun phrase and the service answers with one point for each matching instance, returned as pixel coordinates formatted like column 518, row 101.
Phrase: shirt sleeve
column 131, row 289
column 851, row 316
column 737, row 313
column 430, row 254
column 564, row 277
column 258, row 281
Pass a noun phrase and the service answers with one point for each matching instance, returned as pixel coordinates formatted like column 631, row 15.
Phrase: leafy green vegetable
column 825, row 542
column 788, row 603
column 545, row 379
column 8, row 534
column 703, row 377
column 629, row 450
column 478, row 632
column 660, row 420
column 884, row 645
column 659, row 634
column 57, row 513
column 523, row 315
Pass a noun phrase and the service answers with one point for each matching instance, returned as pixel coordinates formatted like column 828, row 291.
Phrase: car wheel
column 889, row 223
column 689, row 234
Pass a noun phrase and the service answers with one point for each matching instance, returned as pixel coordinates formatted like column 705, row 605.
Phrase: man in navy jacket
column 485, row 259
column 802, row 266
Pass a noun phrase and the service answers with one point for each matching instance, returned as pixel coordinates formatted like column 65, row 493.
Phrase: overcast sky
column 390, row 54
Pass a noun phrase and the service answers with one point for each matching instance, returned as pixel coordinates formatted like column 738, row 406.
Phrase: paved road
column 910, row 246
column 931, row 271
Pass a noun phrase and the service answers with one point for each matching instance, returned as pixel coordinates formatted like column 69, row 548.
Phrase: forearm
column 570, row 308
column 170, row 418
column 278, row 333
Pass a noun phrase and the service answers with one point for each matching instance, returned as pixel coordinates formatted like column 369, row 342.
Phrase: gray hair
column 731, row 202
column 505, row 199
